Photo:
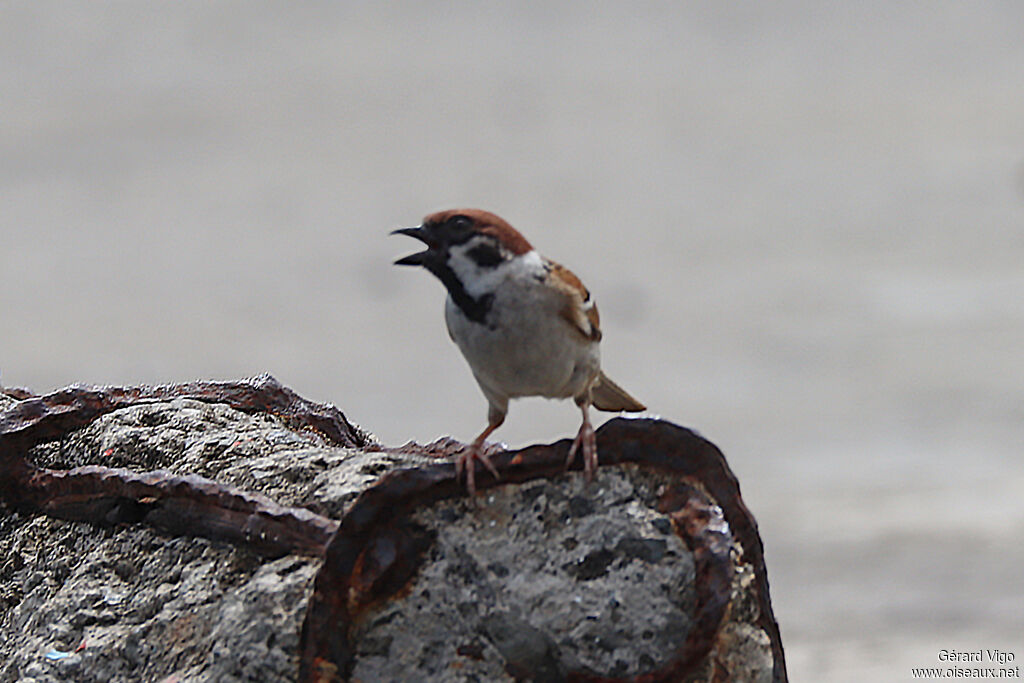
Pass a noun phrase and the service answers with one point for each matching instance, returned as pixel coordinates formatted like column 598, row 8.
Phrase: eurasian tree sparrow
column 526, row 325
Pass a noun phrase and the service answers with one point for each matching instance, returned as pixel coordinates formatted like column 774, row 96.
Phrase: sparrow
column 526, row 325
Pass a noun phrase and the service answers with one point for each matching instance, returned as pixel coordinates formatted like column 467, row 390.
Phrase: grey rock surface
column 527, row 583
column 541, row 579
column 127, row 605
column 81, row 603
column 252, row 452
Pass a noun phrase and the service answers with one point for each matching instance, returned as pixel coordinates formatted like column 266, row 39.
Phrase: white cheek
column 477, row 281
column 530, row 263
column 480, row 281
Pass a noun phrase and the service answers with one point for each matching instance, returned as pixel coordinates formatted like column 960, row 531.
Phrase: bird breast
column 525, row 347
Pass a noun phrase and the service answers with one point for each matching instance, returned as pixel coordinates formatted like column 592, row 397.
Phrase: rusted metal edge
column 698, row 458
column 377, row 515
column 37, row 419
column 179, row 505
column 701, row 524
column 343, row 585
column 18, row 393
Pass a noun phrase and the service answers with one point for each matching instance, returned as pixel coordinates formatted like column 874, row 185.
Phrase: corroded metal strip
column 37, row 419
column 374, row 551
column 18, row 393
column 180, row 505
column 703, row 528
column 340, row 593
column 677, row 449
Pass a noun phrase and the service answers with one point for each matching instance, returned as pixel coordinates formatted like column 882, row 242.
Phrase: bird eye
column 461, row 222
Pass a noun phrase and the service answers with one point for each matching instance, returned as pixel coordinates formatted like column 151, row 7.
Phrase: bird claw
column 464, row 462
column 586, row 439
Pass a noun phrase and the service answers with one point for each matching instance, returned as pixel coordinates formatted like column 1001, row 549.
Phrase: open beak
column 417, row 258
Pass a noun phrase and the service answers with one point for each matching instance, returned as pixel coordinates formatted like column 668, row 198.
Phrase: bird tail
column 609, row 396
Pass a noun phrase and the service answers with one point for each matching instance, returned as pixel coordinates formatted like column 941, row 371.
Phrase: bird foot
column 587, row 440
column 464, row 462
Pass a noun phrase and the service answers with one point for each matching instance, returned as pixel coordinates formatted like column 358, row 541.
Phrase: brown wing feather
column 580, row 310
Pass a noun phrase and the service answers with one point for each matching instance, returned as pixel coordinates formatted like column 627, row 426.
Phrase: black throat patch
column 474, row 309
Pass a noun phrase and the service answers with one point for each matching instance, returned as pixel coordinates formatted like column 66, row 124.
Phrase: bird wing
column 579, row 310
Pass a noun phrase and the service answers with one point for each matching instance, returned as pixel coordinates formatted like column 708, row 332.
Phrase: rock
column 550, row 607
column 235, row 532
column 159, row 621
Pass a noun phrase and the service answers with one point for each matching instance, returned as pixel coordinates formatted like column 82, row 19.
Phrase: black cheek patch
column 485, row 255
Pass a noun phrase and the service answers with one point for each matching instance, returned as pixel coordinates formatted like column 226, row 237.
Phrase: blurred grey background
column 803, row 222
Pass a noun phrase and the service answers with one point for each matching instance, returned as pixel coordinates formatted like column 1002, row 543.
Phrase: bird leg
column 585, row 438
column 476, row 452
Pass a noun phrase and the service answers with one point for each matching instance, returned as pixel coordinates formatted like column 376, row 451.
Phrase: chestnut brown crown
column 485, row 222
